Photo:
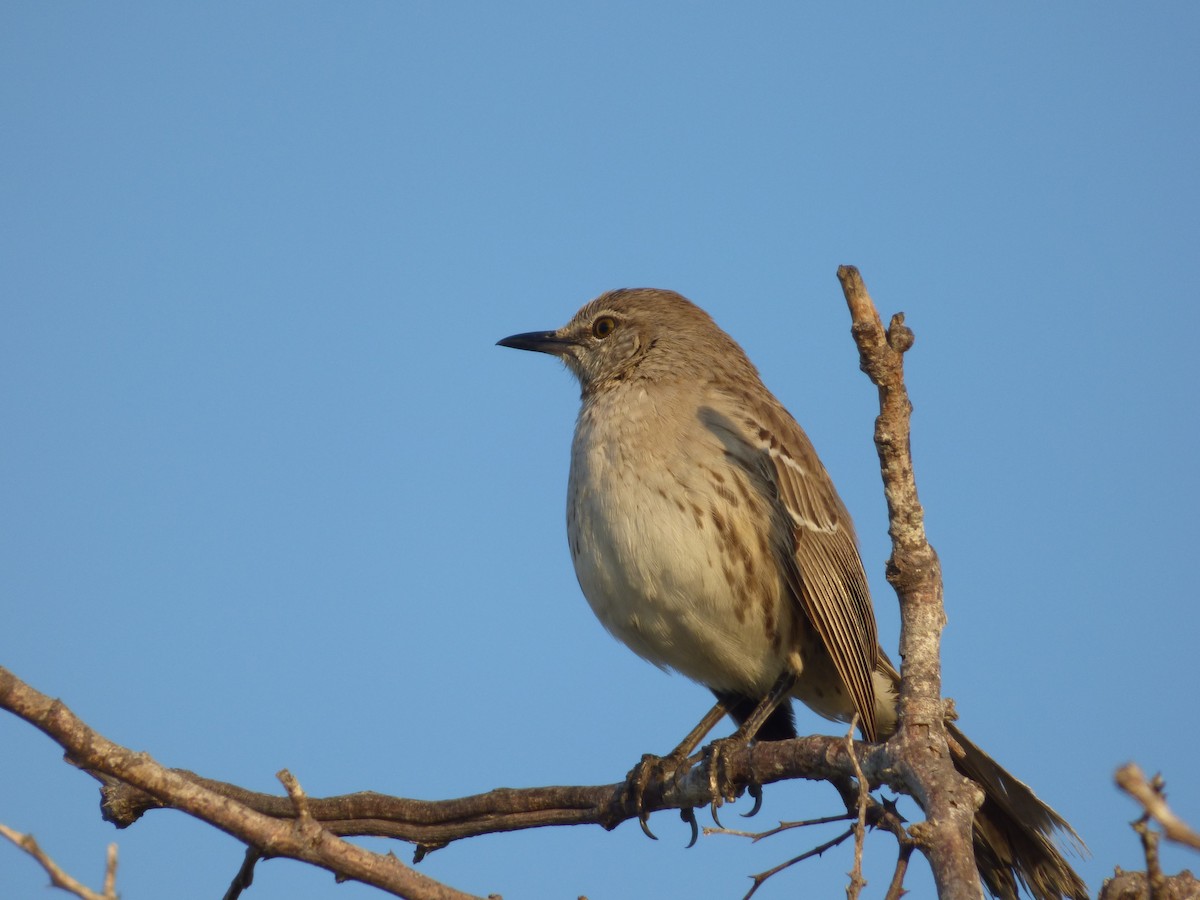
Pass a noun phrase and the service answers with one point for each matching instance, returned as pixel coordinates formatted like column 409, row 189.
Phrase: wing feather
column 818, row 553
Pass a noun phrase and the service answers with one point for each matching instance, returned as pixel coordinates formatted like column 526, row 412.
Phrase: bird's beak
column 541, row 341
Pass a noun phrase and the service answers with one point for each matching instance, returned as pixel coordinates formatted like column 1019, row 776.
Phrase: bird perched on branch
column 708, row 537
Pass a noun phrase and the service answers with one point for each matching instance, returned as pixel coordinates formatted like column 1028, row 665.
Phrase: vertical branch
column 919, row 748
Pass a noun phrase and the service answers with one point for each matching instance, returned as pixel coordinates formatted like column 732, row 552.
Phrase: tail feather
column 1015, row 832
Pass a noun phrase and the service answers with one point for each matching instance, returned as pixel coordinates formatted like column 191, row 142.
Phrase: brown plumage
column 708, row 537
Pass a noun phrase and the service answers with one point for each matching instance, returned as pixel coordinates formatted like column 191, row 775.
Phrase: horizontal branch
column 431, row 824
column 132, row 784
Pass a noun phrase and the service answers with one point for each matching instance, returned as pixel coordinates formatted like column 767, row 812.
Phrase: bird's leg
column 715, row 752
column 699, row 733
column 650, row 765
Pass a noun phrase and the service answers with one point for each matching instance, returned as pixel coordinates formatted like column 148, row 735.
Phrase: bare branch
column 134, row 783
column 1136, row 886
column 245, row 875
column 756, row 836
column 863, row 809
column 272, row 836
column 761, row 878
column 919, row 748
column 433, row 824
column 58, row 877
column 268, row 824
column 1154, row 873
column 297, row 795
column 896, row 889
column 857, row 882
column 917, row 760
column 1131, row 779
column 110, row 871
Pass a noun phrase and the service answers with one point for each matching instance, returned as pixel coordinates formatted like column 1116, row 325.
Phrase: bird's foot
column 721, row 786
column 658, row 769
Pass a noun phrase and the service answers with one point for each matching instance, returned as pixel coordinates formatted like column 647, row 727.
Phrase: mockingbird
column 708, row 537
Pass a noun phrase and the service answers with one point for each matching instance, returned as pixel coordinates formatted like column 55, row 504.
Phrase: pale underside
column 729, row 573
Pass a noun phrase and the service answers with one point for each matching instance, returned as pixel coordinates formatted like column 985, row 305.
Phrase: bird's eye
column 603, row 327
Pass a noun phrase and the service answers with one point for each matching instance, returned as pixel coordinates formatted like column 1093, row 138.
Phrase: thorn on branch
column 423, row 850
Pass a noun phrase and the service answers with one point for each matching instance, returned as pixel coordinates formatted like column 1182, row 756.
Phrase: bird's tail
column 1015, row 832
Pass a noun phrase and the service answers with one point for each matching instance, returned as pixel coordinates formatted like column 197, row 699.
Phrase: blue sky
column 271, row 496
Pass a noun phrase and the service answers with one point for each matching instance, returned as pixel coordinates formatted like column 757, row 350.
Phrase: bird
column 707, row 536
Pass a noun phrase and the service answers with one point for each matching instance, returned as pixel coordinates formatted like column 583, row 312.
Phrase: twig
column 274, row 837
column 245, row 874
column 58, row 877
column 296, row 794
column 1149, row 794
column 896, row 889
column 762, row 877
column 110, row 871
column 1154, row 873
column 756, row 836
column 857, row 882
column 919, row 748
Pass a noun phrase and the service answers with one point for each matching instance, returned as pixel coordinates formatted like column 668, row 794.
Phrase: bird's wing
column 818, row 552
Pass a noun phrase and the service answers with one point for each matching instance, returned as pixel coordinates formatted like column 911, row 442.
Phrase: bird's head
column 635, row 332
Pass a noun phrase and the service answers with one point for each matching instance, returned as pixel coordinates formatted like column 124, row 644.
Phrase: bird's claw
column 644, row 821
column 755, row 791
column 712, row 809
column 635, row 786
column 718, row 784
column 663, row 767
column 689, row 815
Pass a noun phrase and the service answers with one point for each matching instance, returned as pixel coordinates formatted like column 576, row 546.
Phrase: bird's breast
column 670, row 546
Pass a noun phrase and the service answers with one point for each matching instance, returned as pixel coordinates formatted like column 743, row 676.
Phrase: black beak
column 541, row 341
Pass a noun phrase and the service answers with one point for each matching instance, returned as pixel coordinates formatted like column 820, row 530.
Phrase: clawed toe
column 635, row 787
column 719, row 783
column 663, row 768
column 644, row 821
column 755, row 791
column 689, row 815
column 712, row 811
column 638, row 780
